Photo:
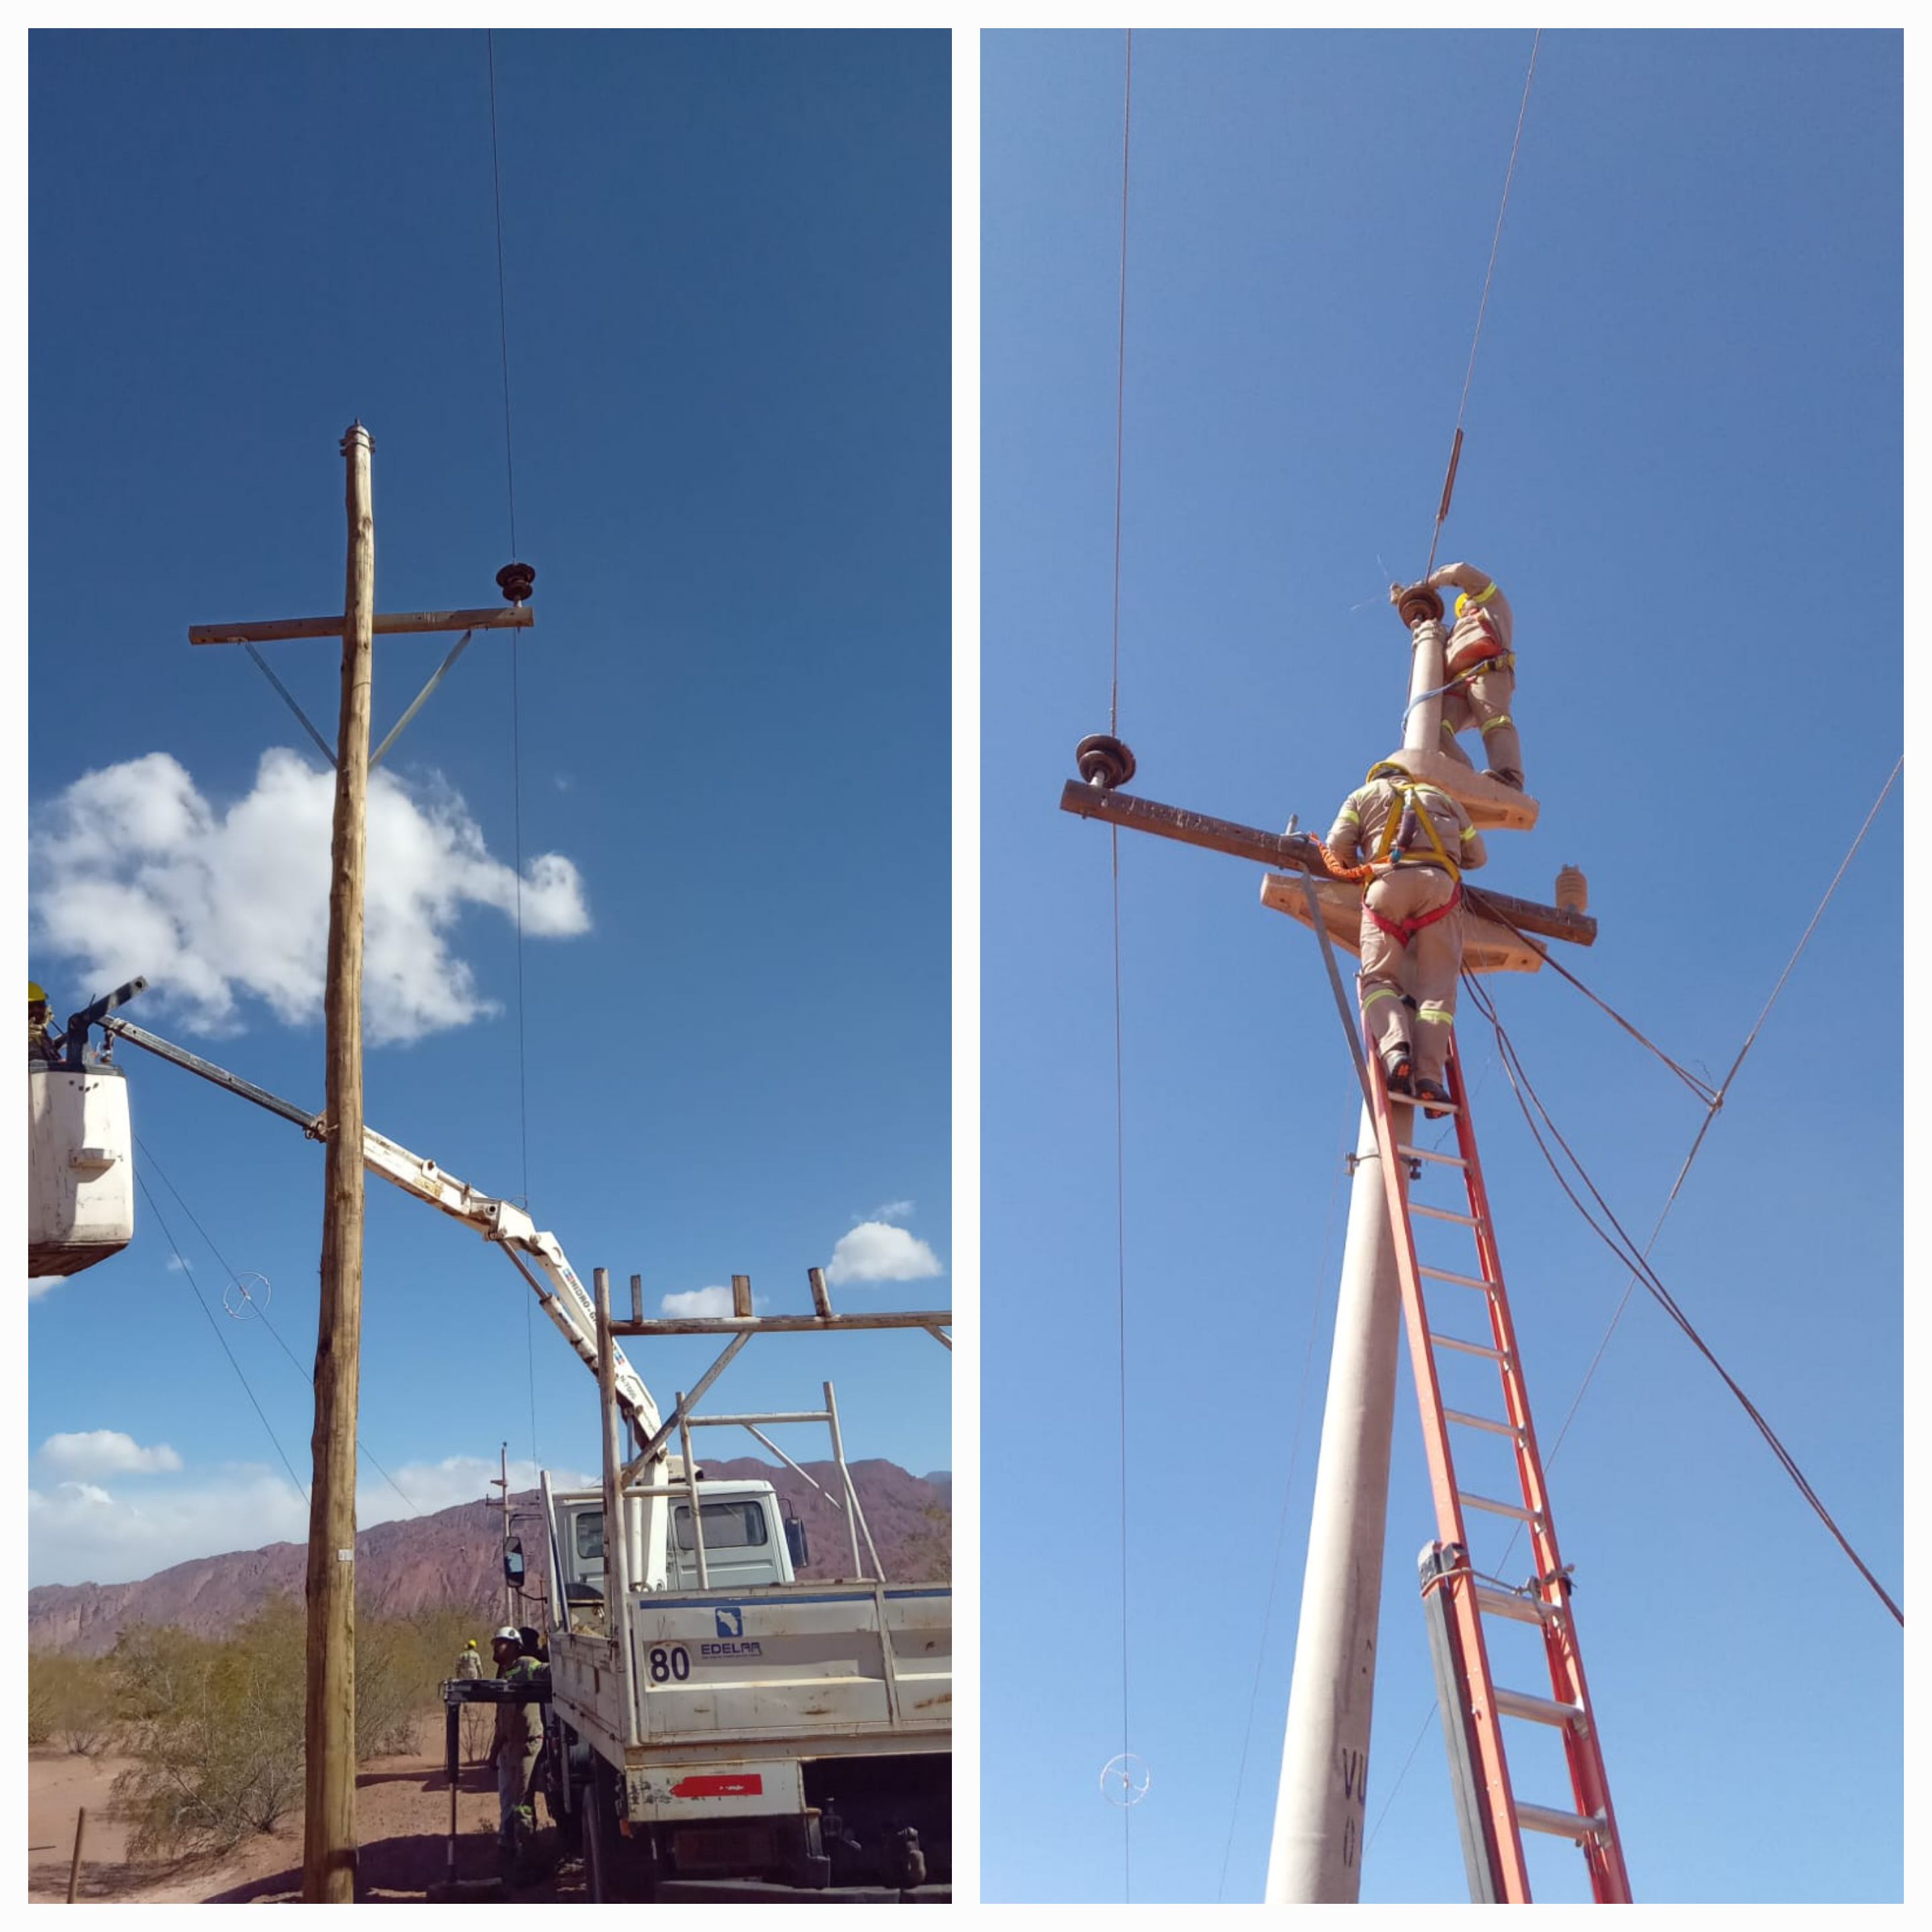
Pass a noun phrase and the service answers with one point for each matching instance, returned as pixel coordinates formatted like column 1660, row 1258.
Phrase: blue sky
column 1683, row 460
column 727, row 260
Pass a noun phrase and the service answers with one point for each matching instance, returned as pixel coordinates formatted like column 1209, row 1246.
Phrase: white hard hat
column 509, row 1634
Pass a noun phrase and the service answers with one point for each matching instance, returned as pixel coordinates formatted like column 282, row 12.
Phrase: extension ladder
column 1458, row 1597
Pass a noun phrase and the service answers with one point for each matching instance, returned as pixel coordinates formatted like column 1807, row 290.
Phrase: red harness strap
column 1401, row 930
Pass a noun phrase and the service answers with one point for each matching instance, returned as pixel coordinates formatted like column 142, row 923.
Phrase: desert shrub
column 215, row 1730
column 41, row 1668
column 70, row 1701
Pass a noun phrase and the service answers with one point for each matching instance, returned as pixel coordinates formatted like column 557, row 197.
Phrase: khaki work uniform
column 1415, row 967
column 519, row 1742
column 1480, row 662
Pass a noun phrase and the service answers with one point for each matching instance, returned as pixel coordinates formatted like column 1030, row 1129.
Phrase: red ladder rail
column 1590, row 1822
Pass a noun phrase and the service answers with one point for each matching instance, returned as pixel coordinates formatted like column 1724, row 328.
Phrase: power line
column 1483, row 306
column 1717, row 1098
column 516, row 726
column 187, row 1274
column 1627, row 1250
column 306, row 1375
column 1120, row 1102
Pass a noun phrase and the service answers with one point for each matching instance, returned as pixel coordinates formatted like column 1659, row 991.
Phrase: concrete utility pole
column 328, row 1847
column 1315, row 1857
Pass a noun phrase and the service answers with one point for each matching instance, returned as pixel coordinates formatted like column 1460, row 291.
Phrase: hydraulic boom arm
column 539, row 1257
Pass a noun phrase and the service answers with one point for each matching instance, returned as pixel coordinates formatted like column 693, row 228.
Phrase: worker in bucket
column 1479, row 663
column 43, row 1042
column 1419, row 842
column 519, row 1743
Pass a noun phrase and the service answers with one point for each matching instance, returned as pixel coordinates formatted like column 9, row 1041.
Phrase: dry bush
column 216, row 1731
column 70, row 1700
column 216, row 1728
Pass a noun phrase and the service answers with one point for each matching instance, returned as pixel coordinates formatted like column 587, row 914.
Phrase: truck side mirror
column 513, row 1563
column 795, row 1542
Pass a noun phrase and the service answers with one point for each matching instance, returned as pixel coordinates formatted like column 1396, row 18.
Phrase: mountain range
column 453, row 1558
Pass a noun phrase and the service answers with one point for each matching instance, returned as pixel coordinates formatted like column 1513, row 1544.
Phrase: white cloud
column 431, row 1486
column 892, row 1211
column 105, row 1452
column 178, row 1264
column 77, row 1532
column 698, row 1301
column 216, row 906
column 37, row 1285
column 874, row 1252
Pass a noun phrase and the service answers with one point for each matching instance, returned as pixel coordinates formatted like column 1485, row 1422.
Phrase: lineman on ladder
column 1480, row 665
column 1419, row 841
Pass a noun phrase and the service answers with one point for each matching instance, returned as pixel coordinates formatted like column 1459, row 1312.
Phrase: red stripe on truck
column 744, row 1784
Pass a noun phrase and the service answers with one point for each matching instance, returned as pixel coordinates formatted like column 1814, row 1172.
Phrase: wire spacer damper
column 1104, row 761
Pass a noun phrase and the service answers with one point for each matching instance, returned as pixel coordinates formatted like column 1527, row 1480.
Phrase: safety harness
column 1399, row 830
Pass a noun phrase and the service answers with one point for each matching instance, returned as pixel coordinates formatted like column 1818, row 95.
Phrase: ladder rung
column 1495, row 1603
column 1537, row 1710
column 1466, row 1348
column 1559, row 1824
column 1479, row 1422
column 1495, row 1508
column 1429, row 1154
column 1442, row 1214
column 1460, row 1280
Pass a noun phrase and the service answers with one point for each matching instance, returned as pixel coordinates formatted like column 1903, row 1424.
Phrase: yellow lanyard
column 1408, row 793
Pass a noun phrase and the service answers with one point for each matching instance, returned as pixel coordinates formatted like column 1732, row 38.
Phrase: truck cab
column 748, row 1543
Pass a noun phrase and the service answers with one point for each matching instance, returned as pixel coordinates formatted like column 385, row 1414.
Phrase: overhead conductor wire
column 516, row 719
column 1483, row 306
column 187, row 1274
column 306, row 1375
column 1642, row 1273
column 1120, row 1099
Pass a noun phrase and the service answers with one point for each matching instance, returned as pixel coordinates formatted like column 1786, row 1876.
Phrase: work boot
column 1400, row 1071
column 1432, row 1089
column 1513, row 779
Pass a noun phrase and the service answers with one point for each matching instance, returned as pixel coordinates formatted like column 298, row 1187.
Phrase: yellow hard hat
column 37, row 994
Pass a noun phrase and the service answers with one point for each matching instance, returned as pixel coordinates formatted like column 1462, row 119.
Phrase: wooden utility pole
column 329, row 1823
column 328, row 1847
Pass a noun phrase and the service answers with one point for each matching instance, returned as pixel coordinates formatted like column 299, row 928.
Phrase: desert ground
column 402, row 1811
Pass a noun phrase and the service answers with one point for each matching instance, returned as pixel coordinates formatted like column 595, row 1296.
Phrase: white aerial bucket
column 80, row 1196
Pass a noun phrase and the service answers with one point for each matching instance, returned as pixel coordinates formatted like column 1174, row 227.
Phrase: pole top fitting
column 355, row 434
column 1104, row 761
column 1418, row 604
column 515, row 580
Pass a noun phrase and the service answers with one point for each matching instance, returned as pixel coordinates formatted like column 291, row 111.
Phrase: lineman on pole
column 1480, row 663
column 1420, row 842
